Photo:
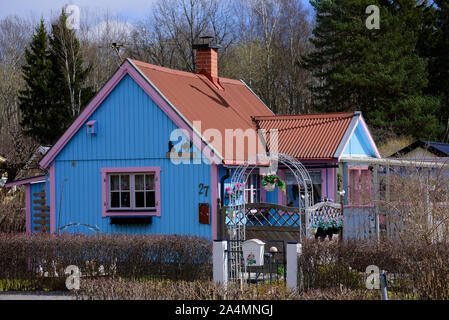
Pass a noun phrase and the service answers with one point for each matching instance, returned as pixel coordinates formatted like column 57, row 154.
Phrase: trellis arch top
column 269, row 162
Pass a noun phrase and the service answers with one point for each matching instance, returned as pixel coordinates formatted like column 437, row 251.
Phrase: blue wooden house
column 148, row 155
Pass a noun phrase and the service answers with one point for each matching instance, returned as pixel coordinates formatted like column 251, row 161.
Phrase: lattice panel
column 264, row 214
column 324, row 209
column 274, row 216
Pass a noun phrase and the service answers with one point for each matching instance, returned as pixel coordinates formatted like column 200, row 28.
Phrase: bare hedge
column 416, row 270
column 12, row 217
column 119, row 289
column 30, row 262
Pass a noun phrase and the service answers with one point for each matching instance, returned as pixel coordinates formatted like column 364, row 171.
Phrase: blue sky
column 131, row 9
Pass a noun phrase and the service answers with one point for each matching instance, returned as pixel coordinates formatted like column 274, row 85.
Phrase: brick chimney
column 207, row 61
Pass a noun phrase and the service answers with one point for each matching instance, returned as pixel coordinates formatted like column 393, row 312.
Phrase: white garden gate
column 239, row 216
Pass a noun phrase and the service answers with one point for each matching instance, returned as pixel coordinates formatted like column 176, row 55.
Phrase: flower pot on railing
column 327, row 227
column 270, row 186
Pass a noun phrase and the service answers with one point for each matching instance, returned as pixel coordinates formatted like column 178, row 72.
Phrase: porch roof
column 308, row 136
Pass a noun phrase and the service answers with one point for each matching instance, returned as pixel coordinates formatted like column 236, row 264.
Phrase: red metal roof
column 197, row 99
column 309, row 136
column 230, row 105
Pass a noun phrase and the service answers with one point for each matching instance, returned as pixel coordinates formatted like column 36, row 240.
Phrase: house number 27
column 203, row 187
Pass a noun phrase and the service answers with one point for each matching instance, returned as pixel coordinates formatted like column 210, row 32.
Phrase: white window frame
column 107, row 211
column 132, row 191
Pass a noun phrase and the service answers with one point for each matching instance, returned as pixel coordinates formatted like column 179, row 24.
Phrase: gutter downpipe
column 221, row 219
column 222, row 181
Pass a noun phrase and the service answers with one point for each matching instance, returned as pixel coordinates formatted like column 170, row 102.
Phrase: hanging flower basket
column 228, row 192
column 269, row 182
column 238, row 189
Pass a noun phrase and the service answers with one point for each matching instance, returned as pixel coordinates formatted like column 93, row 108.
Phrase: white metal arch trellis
column 237, row 212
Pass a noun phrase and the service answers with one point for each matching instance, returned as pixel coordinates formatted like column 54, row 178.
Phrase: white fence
column 362, row 223
column 359, row 223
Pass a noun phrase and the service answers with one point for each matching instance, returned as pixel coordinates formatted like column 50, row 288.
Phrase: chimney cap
column 206, row 45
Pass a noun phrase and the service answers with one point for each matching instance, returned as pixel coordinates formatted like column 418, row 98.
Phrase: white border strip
column 347, row 136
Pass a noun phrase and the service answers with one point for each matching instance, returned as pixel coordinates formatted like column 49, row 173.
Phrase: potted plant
column 228, row 192
column 327, row 227
column 238, row 189
column 269, row 182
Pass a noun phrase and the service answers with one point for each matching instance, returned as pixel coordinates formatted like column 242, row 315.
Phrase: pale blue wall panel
column 359, row 144
column 132, row 132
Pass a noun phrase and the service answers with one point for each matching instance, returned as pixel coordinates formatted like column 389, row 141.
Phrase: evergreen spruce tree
column 435, row 46
column 375, row 71
column 55, row 76
column 36, row 99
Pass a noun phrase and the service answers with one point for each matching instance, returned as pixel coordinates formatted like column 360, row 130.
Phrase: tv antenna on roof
column 116, row 46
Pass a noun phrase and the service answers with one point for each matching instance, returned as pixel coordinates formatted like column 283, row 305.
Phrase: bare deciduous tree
column 97, row 32
column 167, row 35
column 15, row 34
column 66, row 49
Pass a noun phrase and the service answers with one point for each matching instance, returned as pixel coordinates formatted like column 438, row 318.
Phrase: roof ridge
column 325, row 121
column 180, row 72
column 310, row 116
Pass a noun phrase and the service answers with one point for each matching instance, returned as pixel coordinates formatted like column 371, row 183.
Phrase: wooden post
column 387, row 184
column 341, row 194
column 376, row 200
column 428, row 208
column 383, row 285
column 387, row 199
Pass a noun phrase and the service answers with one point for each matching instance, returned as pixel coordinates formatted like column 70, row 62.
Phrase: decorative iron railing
column 321, row 210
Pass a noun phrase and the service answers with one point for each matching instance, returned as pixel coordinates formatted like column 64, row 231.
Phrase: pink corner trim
column 126, row 68
column 28, row 208
column 52, row 199
column 323, row 183
column 25, row 181
column 104, row 191
column 263, row 192
column 214, row 196
column 331, row 183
